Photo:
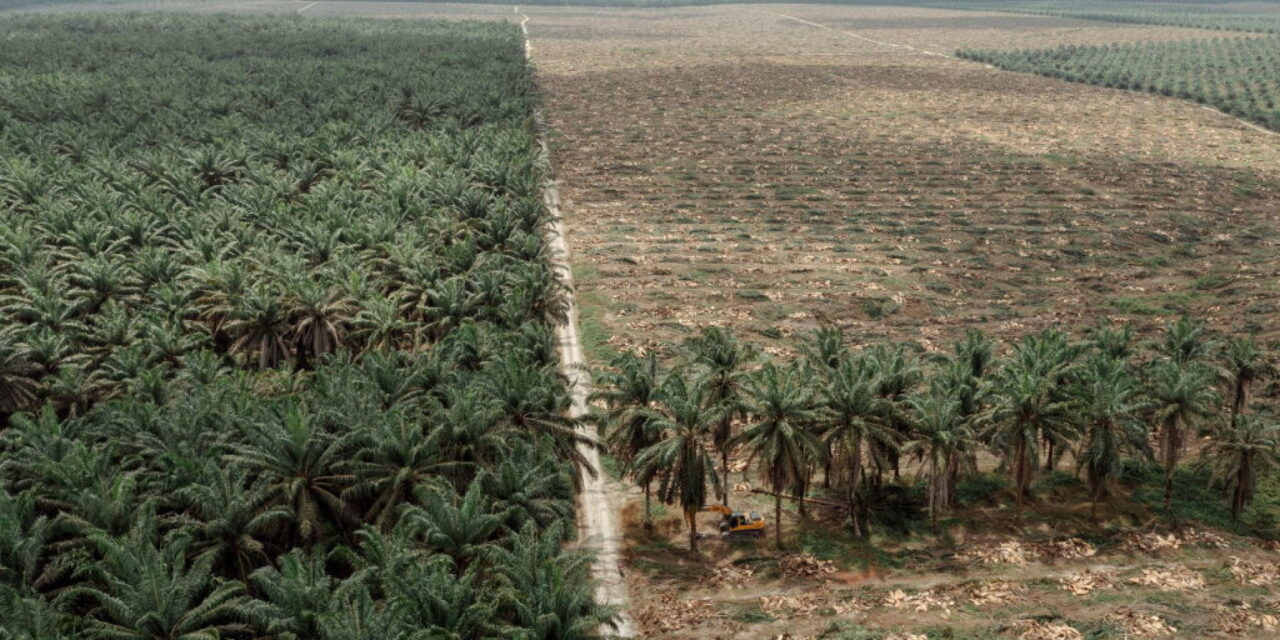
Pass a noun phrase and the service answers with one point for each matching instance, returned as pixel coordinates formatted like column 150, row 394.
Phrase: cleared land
column 728, row 166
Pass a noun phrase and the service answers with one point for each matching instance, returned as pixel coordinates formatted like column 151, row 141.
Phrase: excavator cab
column 738, row 525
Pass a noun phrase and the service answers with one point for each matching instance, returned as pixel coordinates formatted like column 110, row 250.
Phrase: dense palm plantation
column 868, row 421
column 277, row 355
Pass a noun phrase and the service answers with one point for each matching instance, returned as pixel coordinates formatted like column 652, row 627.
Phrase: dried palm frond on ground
column 1151, row 542
column 1203, row 538
column 1041, row 630
column 1255, row 573
column 1142, row 625
column 1011, row 552
column 1021, row 553
column 919, row 602
column 906, row 636
column 1066, row 549
column 1172, row 578
column 801, row 565
column 1243, row 618
column 1087, row 581
column 996, row 592
column 674, row 614
column 806, row 604
column 729, row 575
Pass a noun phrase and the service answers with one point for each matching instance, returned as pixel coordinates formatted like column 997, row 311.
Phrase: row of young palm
column 861, row 420
column 1235, row 75
column 1202, row 14
column 277, row 355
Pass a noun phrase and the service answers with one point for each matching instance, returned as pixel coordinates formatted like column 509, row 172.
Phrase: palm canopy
column 685, row 416
column 783, row 409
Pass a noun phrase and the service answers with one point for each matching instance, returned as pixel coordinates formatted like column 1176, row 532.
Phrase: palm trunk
column 692, row 516
column 777, row 515
column 1019, row 471
column 724, row 468
column 648, row 513
column 1171, row 446
column 1244, row 481
column 855, row 475
column 1049, row 461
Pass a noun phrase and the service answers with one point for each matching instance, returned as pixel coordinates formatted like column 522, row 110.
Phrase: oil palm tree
column 230, row 518
column 783, row 408
column 1239, row 453
column 532, row 401
column 260, row 326
column 392, row 459
column 547, row 588
column 896, row 371
column 300, row 593
column 942, row 437
column 629, row 392
column 19, row 377
column 302, row 467
column 1110, row 404
column 147, row 592
column 320, row 320
column 853, row 416
column 725, row 361
column 1183, row 395
column 462, row 528
column 1029, row 401
column 1244, row 364
column 685, row 416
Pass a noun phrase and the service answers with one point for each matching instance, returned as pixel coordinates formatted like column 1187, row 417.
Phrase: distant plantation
column 277, row 355
column 1237, row 75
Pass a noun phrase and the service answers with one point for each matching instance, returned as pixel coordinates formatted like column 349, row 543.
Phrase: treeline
column 1238, row 75
column 276, row 348
column 856, row 419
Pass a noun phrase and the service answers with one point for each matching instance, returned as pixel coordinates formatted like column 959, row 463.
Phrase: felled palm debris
column 1085, row 582
column 1142, row 625
column 1044, row 630
column 1242, row 619
column 1256, row 573
column 808, row 603
column 1020, row 553
column 801, row 565
column 1152, row 542
column 673, row 614
column 1171, row 578
column 996, row 592
column 1011, row 552
column 920, row 602
column 730, row 575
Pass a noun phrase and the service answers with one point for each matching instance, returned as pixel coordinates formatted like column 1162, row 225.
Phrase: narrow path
column 299, row 11
column 862, row 37
column 597, row 515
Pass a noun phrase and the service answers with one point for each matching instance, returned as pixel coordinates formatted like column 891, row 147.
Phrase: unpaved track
column 597, row 514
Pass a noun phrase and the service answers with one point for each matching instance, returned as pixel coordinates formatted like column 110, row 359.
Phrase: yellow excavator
column 737, row 525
